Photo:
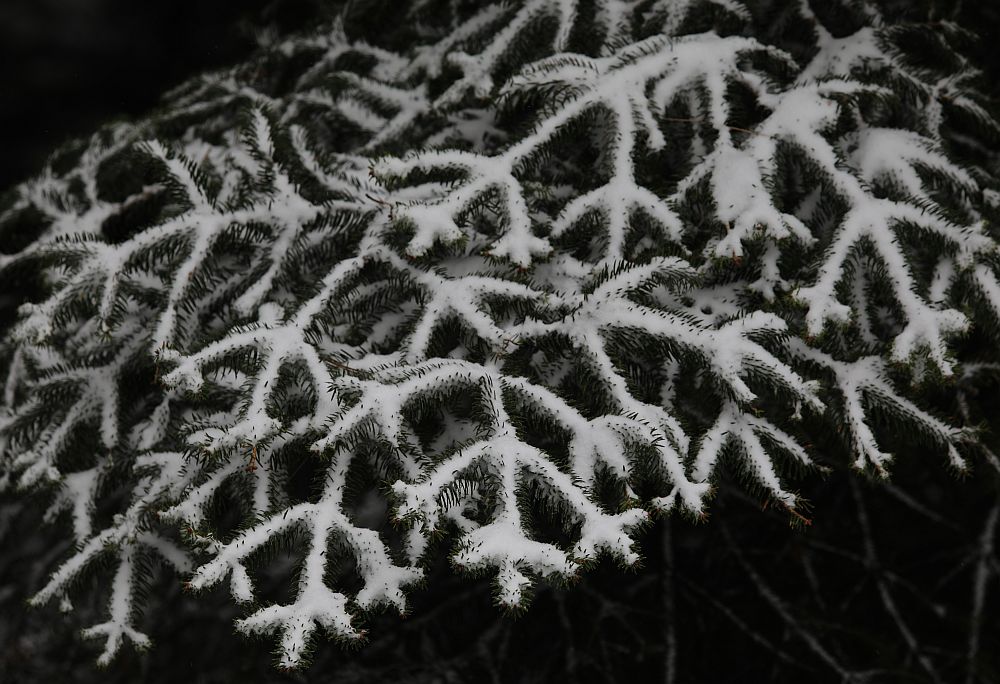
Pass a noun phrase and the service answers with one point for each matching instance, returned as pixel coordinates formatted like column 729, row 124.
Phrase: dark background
column 66, row 66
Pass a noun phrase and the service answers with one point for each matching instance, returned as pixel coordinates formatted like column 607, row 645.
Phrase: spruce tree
column 506, row 284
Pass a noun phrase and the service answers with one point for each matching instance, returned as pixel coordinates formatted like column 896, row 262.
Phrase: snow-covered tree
column 516, row 276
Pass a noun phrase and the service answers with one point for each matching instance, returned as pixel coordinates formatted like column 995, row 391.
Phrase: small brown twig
column 700, row 119
column 389, row 205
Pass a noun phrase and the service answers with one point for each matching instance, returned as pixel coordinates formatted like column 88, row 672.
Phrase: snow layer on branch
column 407, row 268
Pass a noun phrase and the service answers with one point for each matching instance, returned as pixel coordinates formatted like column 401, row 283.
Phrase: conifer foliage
column 517, row 277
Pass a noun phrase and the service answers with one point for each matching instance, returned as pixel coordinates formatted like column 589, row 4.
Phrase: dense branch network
column 288, row 295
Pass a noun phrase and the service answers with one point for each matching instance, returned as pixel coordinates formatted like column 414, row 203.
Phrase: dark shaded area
column 70, row 65
column 874, row 584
